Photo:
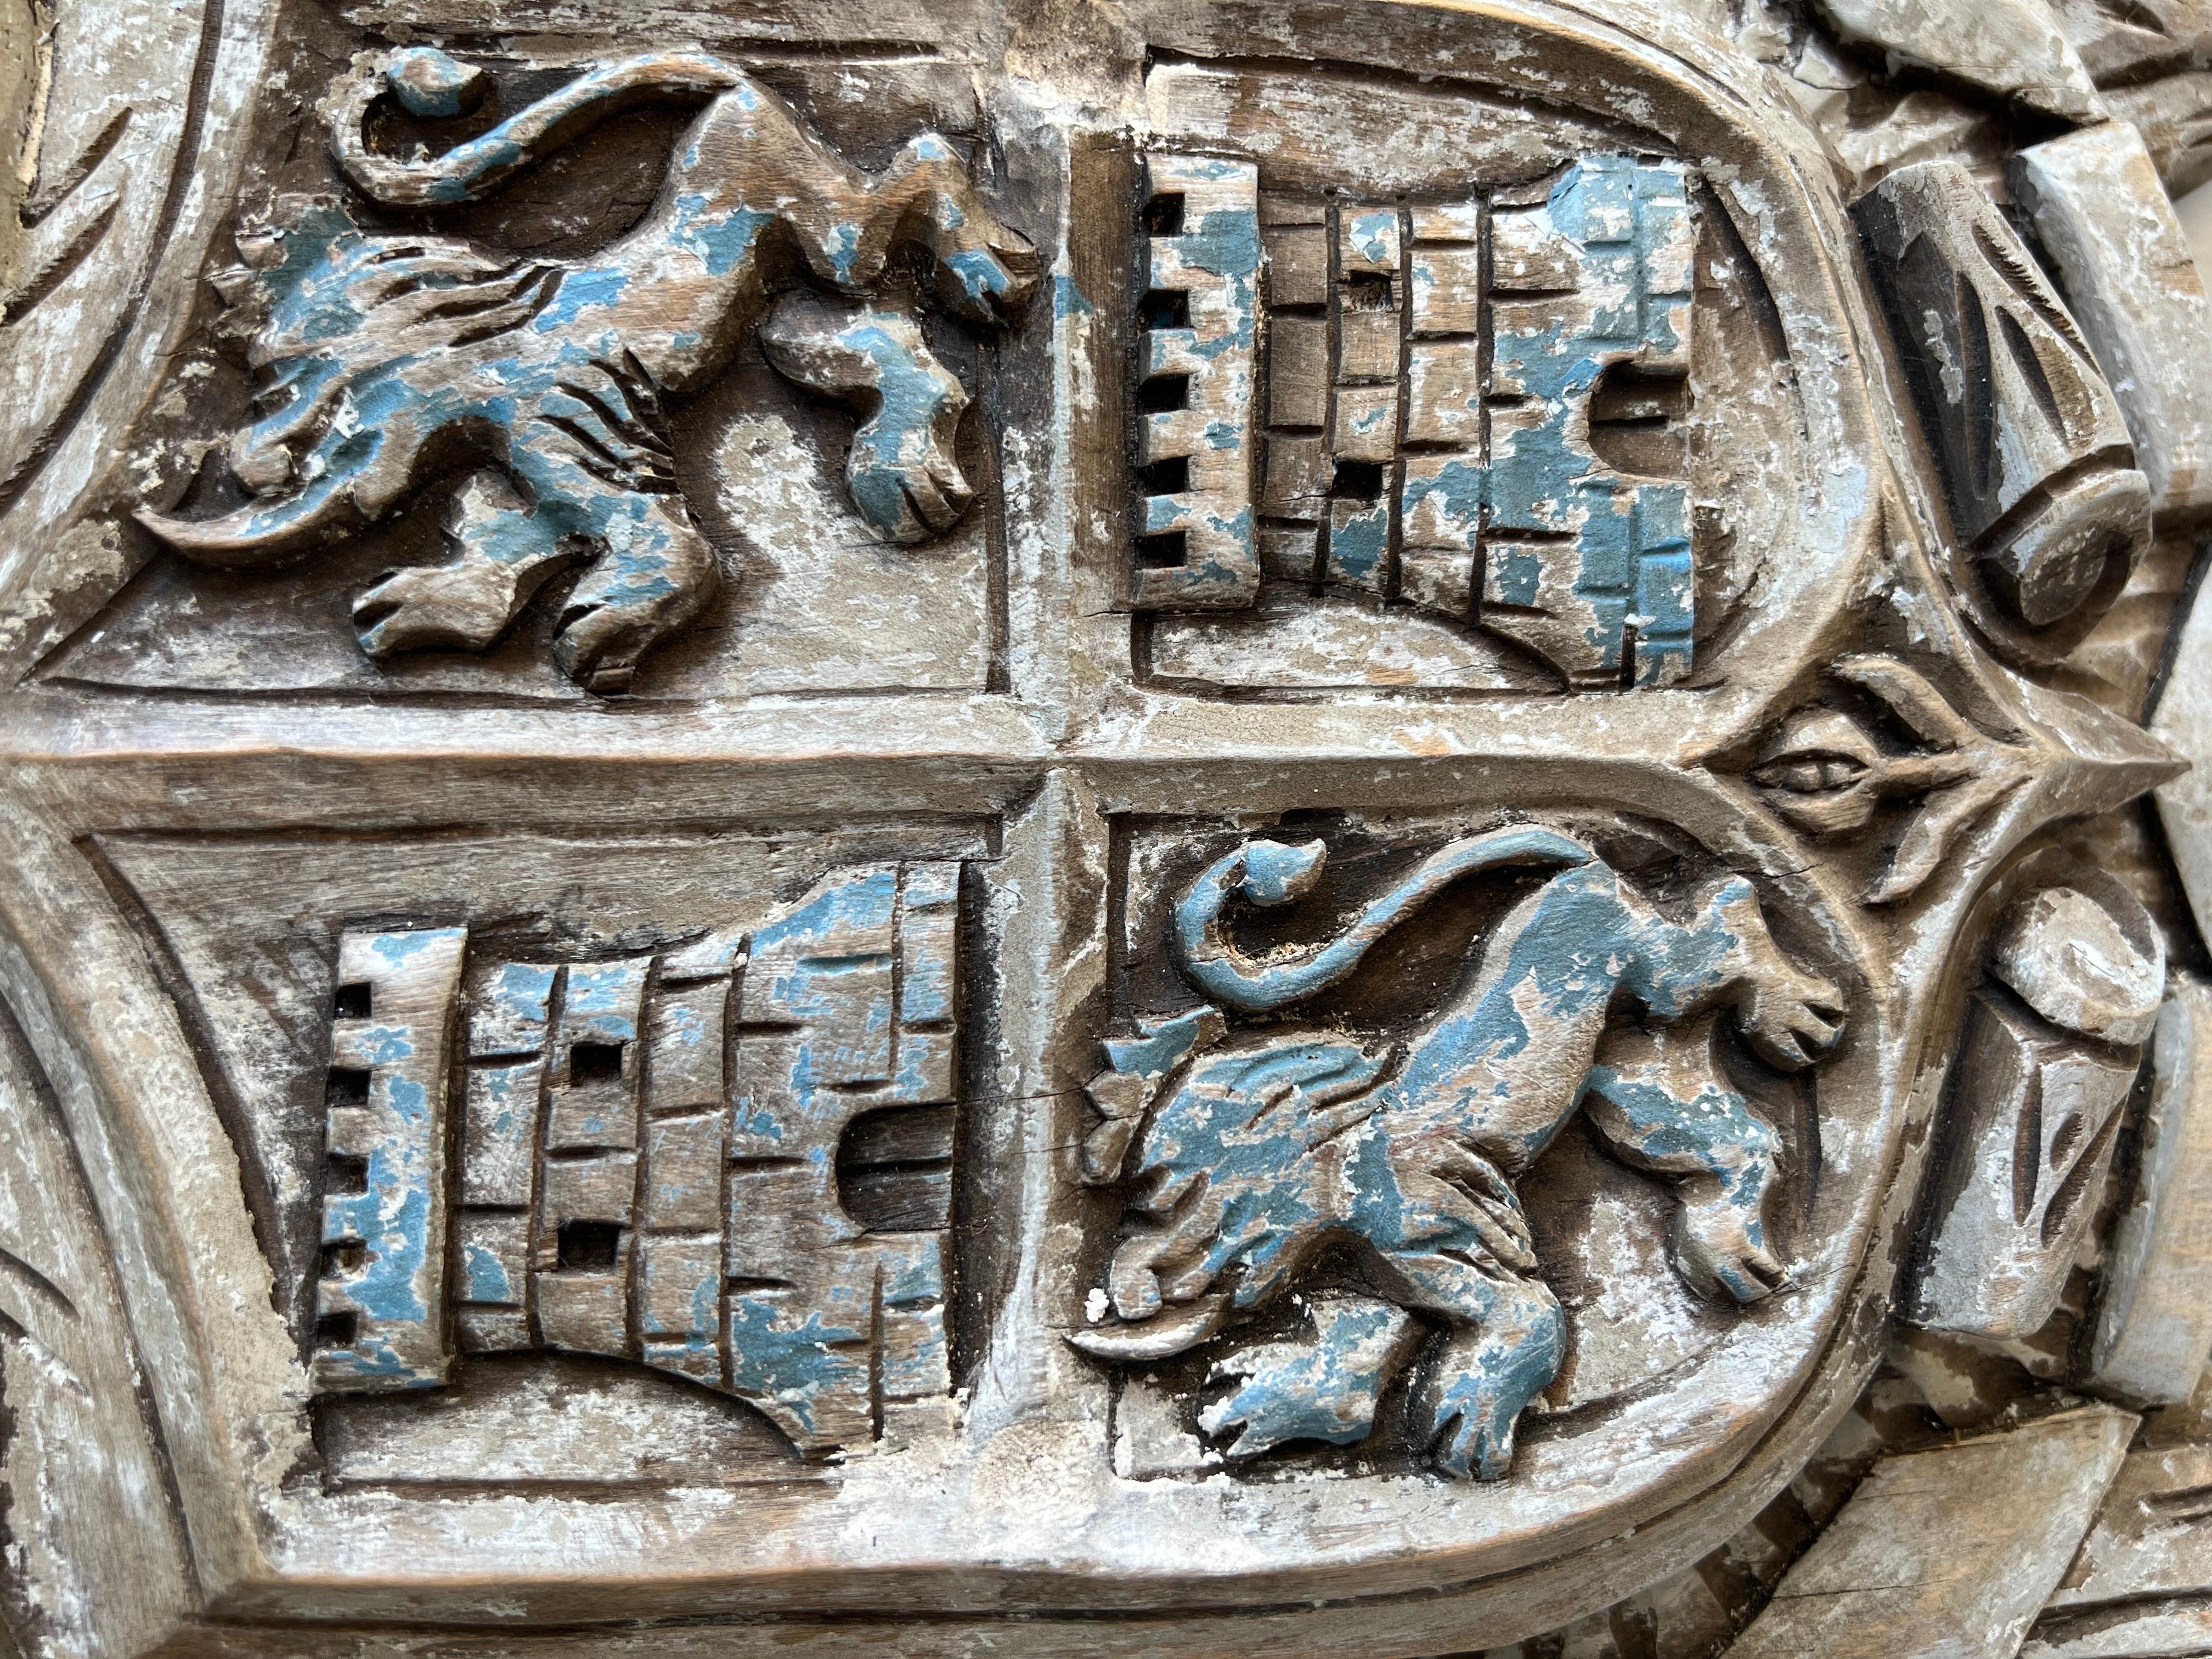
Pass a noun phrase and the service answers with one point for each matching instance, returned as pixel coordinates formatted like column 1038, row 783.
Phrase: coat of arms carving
column 1103, row 828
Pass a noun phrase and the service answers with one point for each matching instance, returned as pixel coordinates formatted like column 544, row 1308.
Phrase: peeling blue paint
column 1601, row 586
column 1619, row 213
column 786, row 1363
column 847, row 1317
column 1374, row 233
column 982, row 276
column 383, row 1045
column 551, row 373
column 842, row 247
column 1328, row 1391
column 1360, row 548
column 578, row 292
column 1067, row 299
column 1214, row 257
column 484, row 1277
column 1261, row 1155
column 429, row 83
column 1164, row 1045
column 914, row 395
column 396, row 950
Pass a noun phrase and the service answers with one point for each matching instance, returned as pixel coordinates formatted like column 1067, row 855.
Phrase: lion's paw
column 1470, row 1429
column 1326, row 1389
column 461, row 607
column 1719, row 1250
column 902, row 472
column 502, row 553
column 990, row 280
column 1484, row 1377
column 1790, row 1017
column 909, row 489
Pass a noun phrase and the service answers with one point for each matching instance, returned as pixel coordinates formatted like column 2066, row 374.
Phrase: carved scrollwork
column 2070, row 990
column 1887, row 764
column 1594, row 841
column 1830, row 773
column 2048, row 511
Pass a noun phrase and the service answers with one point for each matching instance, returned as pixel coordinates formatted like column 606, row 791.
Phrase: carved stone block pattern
column 1196, row 543
column 728, row 1162
column 1620, row 236
column 382, row 1307
column 1426, row 423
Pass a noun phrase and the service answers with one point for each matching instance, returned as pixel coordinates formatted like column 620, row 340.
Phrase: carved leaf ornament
column 1828, row 776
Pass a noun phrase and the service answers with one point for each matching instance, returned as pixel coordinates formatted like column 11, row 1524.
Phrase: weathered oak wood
column 1947, row 1553
column 2129, row 278
column 2155, row 1323
column 1098, row 829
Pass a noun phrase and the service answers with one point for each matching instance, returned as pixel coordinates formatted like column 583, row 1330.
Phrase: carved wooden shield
column 1156, row 828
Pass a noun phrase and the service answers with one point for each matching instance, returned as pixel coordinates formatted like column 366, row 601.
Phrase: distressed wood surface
column 1951, row 1551
column 2100, row 213
column 2154, row 1325
column 2147, row 1630
column 81, row 1451
column 1256, row 830
column 2043, row 488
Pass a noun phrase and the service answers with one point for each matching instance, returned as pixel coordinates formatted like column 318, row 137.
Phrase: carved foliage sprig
column 1828, row 775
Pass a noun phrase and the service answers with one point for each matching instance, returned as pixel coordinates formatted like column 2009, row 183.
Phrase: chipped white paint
column 836, row 608
column 2012, row 48
column 2104, row 218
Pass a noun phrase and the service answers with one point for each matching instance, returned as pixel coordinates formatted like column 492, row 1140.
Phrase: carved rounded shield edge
column 179, row 854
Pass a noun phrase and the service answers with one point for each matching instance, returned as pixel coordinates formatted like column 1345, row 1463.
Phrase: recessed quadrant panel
column 1455, row 1144
column 688, row 1106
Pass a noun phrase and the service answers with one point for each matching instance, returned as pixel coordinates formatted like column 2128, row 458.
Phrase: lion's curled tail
column 428, row 83
column 1269, row 873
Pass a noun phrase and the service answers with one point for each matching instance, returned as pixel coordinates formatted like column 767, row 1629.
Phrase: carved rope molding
column 1105, row 828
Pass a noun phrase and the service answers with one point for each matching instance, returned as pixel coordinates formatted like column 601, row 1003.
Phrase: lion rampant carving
column 382, row 357
column 1248, row 1160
